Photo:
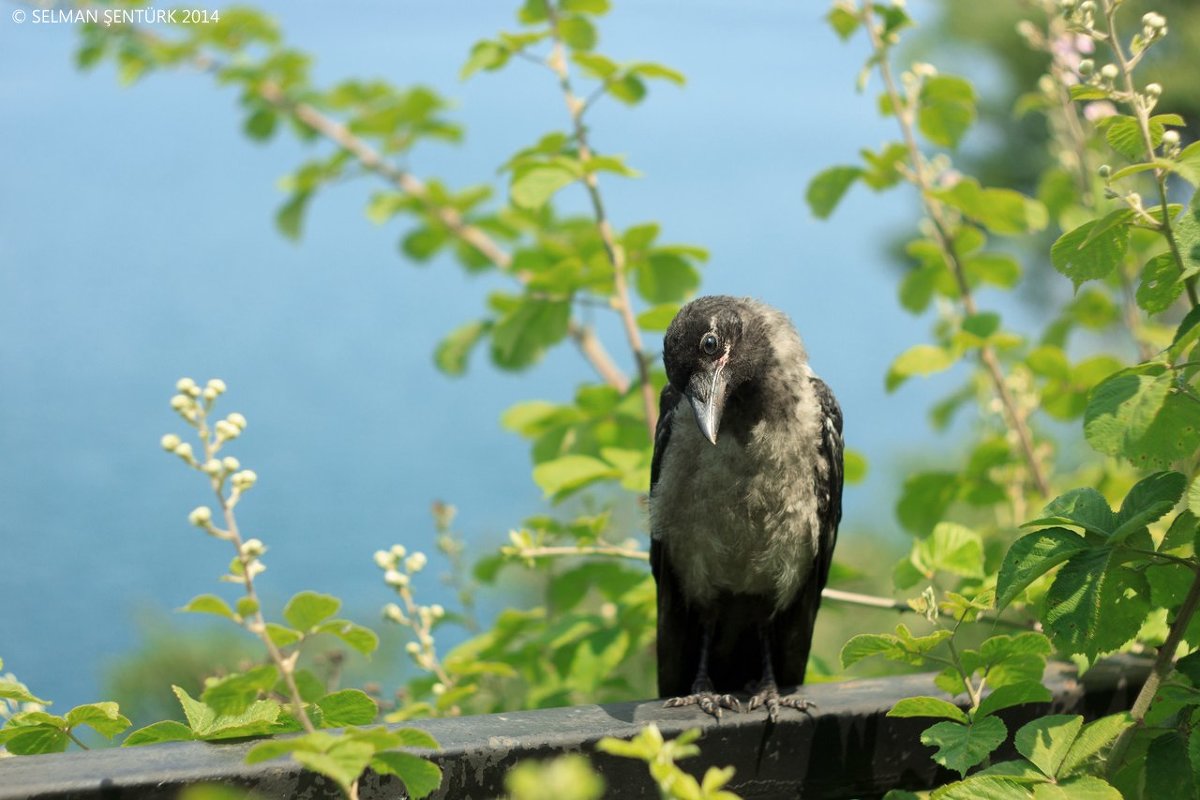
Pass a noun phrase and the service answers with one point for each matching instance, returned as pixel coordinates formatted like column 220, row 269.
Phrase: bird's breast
column 738, row 516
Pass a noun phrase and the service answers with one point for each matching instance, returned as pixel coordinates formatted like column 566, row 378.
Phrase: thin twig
column 917, row 175
column 370, row 158
column 612, row 248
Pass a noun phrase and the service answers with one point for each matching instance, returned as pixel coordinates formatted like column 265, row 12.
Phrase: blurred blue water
column 136, row 246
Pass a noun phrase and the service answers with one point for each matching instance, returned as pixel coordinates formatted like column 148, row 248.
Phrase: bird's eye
column 709, row 344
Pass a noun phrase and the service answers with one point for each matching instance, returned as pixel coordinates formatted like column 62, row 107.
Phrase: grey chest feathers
column 742, row 516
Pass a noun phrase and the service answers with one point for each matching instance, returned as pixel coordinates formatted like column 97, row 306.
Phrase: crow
column 745, row 501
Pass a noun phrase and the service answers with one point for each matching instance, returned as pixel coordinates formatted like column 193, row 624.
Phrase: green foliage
column 661, row 755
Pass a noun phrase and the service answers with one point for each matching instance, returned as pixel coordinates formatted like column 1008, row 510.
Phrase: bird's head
column 714, row 346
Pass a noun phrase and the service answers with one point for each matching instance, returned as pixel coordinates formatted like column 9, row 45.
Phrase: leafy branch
column 919, row 174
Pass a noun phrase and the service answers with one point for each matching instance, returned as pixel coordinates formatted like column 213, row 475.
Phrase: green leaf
column 290, row 217
column 29, row 740
column 855, row 467
column 281, row 635
column 209, row 604
column 306, row 609
column 577, row 33
column 1084, row 787
column 596, row 7
column 927, row 707
column 960, row 747
column 1014, row 694
column 1095, row 605
column 657, row 318
column 1168, row 768
column 1082, row 257
column 983, row 786
column 1150, row 499
column 453, row 352
column 1187, row 164
column 522, row 335
column 104, row 718
column 1046, row 741
column 843, row 21
column 18, row 692
column 568, row 473
column 260, row 125
column 646, row 69
column 258, row 718
column 953, row 548
column 920, row 359
column 422, row 243
column 1124, row 135
column 421, row 778
column 485, row 55
column 1094, row 737
column 828, row 187
column 533, row 186
column 1135, row 414
column 906, row 648
column 1161, row 284
column 343, row 762
column 235, row 693
column 998, row 269
column 360, row 638
column 946, row 110
column 666, row 278
column 629, row 89
column 1001, row 211
column 348, row 707
column 1187, row 236
column 166, row 731
column 924, row 500
column 1031, row 557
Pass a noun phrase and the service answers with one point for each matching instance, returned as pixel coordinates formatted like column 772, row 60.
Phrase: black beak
column 706, row 392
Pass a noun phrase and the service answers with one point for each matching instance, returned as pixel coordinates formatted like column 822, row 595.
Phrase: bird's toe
column 709, row 702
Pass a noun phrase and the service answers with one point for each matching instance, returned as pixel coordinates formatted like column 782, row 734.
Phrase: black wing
column 678, row 628
column 792, row 627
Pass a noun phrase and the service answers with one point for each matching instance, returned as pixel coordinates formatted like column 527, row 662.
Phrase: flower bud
column 244, row 480
column 230, row 464
column 226, row 430
column 1170, row 138
column 200, row 516
column 415, row 563
column 384, row 560
column 209, row 395
column 1109, row 72
column 237, row 419
column 438, row 688
column 253, row 548
column 395, row 614
column 170, row 442
column 186, row 386
column 399, row 551
column 216, row 385
column 437, row 611
column 1104, row 171
column 184, row 451
column 1134, row 199
column 212, row 467
column 394, row 577
column 1153, row 89
column 1087, row 67
column 412, row 648
column 181, row 402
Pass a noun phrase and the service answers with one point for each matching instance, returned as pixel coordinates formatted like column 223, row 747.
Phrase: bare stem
column 612, row 248
column 919, row 177
column 1141, row 112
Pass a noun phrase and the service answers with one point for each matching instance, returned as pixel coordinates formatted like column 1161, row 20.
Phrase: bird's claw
column 710, row 702
column 768, row 697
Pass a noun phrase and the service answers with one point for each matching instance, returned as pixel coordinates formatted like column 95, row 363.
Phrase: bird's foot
column 768, row 697
column 709, row 701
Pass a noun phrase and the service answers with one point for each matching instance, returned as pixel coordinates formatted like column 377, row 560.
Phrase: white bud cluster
column 1170, row 141
column 244, row 479
column 1154, row 26
column 201, row 517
